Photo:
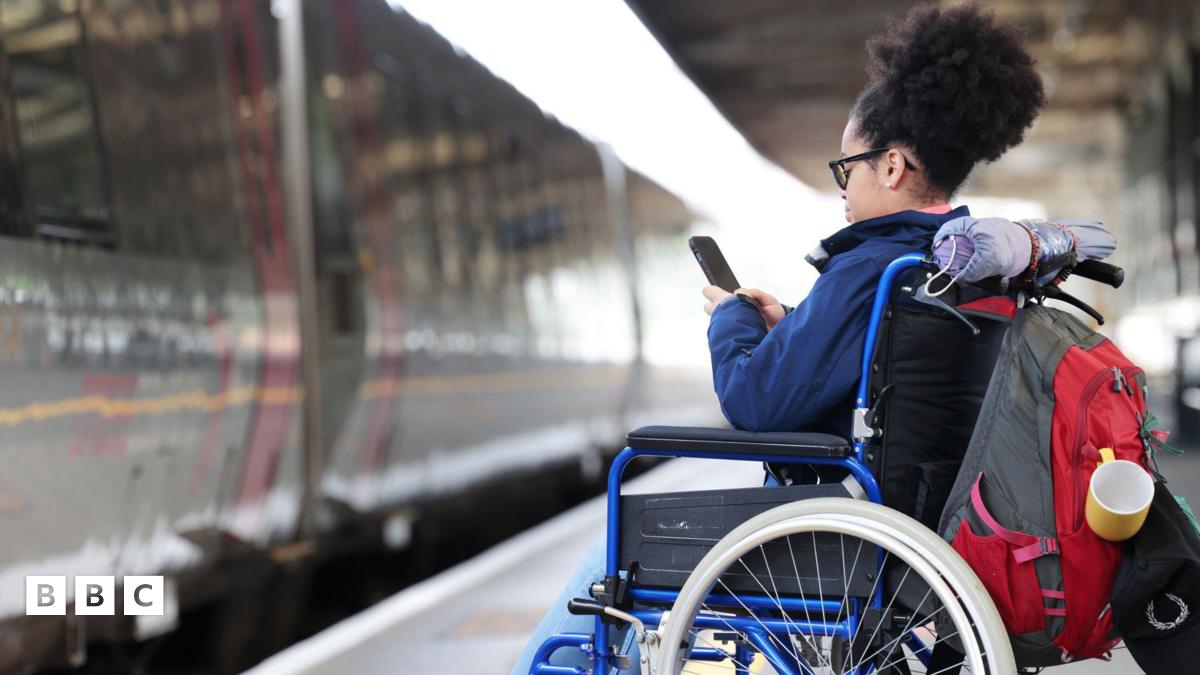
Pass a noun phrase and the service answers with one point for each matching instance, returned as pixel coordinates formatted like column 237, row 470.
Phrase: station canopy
column 785, row 73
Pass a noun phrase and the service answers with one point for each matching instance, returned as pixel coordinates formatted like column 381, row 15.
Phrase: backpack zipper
column 1119, row 377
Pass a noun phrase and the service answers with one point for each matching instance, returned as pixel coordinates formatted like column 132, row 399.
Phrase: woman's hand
column 768, row 305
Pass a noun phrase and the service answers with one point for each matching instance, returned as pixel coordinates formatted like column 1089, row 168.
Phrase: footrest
column 698, row 440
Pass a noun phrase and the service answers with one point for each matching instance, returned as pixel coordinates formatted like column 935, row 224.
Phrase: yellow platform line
column 200, row 401
column 109, row 407
column 492, row 382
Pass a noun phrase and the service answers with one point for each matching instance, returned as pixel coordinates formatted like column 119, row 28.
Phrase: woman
column 947, row 90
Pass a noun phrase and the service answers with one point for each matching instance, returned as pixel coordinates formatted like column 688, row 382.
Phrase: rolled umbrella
column 972, row 248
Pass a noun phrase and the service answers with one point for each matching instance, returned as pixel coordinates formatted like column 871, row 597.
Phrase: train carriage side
column 502, row 254
column 151, row 388
column 150, row 334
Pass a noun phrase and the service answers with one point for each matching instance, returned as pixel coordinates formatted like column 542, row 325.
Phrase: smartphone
column 708, row 254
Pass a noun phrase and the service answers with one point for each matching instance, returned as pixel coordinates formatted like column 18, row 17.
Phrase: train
column 286, row 287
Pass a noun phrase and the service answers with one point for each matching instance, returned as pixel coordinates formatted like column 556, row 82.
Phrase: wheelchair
column 826, row 575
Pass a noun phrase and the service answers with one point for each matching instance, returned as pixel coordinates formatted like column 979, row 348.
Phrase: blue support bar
column 541, row 665
column 864, row 476
column 707, row 654
column 742, row 624
column 789, row 604
column 784, row 664
column 544, row 669
column 612, row 541
column 600, row 650
column 882, row 293
column 613, row 535
column 742, row 656
column 919, row 648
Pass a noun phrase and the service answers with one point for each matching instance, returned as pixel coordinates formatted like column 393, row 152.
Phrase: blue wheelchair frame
column 751, row 628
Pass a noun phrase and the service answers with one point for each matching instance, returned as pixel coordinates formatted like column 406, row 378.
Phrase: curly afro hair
column 954, row 85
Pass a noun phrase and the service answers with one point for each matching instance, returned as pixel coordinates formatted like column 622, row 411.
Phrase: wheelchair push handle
column 583, row 607
column 1099, row 271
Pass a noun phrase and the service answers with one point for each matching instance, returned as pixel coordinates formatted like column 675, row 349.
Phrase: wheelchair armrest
column 698, row 440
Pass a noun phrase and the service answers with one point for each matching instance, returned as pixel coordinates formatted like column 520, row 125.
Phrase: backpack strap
column 1028, row 546
column 1052, row 596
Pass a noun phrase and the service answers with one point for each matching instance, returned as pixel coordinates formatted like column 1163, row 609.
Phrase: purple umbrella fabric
column 972, row 248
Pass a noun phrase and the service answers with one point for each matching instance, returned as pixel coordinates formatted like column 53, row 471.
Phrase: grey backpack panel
column 1011, row 446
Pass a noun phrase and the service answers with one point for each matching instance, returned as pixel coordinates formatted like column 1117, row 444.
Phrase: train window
column 12, row 216
column 56, row 123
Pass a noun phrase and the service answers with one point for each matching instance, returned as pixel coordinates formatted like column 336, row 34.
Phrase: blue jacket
column 801, row 376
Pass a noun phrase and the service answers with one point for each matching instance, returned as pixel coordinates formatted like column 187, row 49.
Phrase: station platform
column 474, row 618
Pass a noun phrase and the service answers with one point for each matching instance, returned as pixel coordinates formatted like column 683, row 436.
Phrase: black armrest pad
column 702, row 439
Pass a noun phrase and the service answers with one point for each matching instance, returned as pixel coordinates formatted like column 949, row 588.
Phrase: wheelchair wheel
column 892, row 598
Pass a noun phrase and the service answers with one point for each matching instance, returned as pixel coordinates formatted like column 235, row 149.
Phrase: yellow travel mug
column 1119, row 497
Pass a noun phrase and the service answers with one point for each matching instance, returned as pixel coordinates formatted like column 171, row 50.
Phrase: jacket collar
column 851, row 236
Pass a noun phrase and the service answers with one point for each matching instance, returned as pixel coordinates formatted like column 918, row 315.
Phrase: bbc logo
column 94, row 596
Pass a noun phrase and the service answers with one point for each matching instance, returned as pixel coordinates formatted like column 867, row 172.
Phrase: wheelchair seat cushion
column 733, row 441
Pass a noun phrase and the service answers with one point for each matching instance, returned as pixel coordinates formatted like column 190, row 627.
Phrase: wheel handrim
column 940, row 580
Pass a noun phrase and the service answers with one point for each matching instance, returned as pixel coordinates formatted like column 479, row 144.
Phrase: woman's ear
column 884, row 177
column 895, row 170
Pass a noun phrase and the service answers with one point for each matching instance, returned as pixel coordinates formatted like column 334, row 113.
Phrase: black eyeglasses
column 838, row 166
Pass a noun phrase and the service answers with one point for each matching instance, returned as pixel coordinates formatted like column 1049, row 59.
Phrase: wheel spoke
column 799, row 582
column 817, row 560
column 731, row 657
column 845, row 604
column 779, row 603
column 770, row 635
column 889, row 647
column 951, row 606
column 930, row 647
column 950, row 668
column 887, row 609
column 874, row 586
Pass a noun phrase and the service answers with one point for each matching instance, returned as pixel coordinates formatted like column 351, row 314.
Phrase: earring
column 888, row 184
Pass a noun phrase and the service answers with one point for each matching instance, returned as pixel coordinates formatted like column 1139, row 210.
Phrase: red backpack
column 1058, row 393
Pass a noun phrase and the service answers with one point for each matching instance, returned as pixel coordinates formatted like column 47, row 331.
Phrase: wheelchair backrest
column 929, row 374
